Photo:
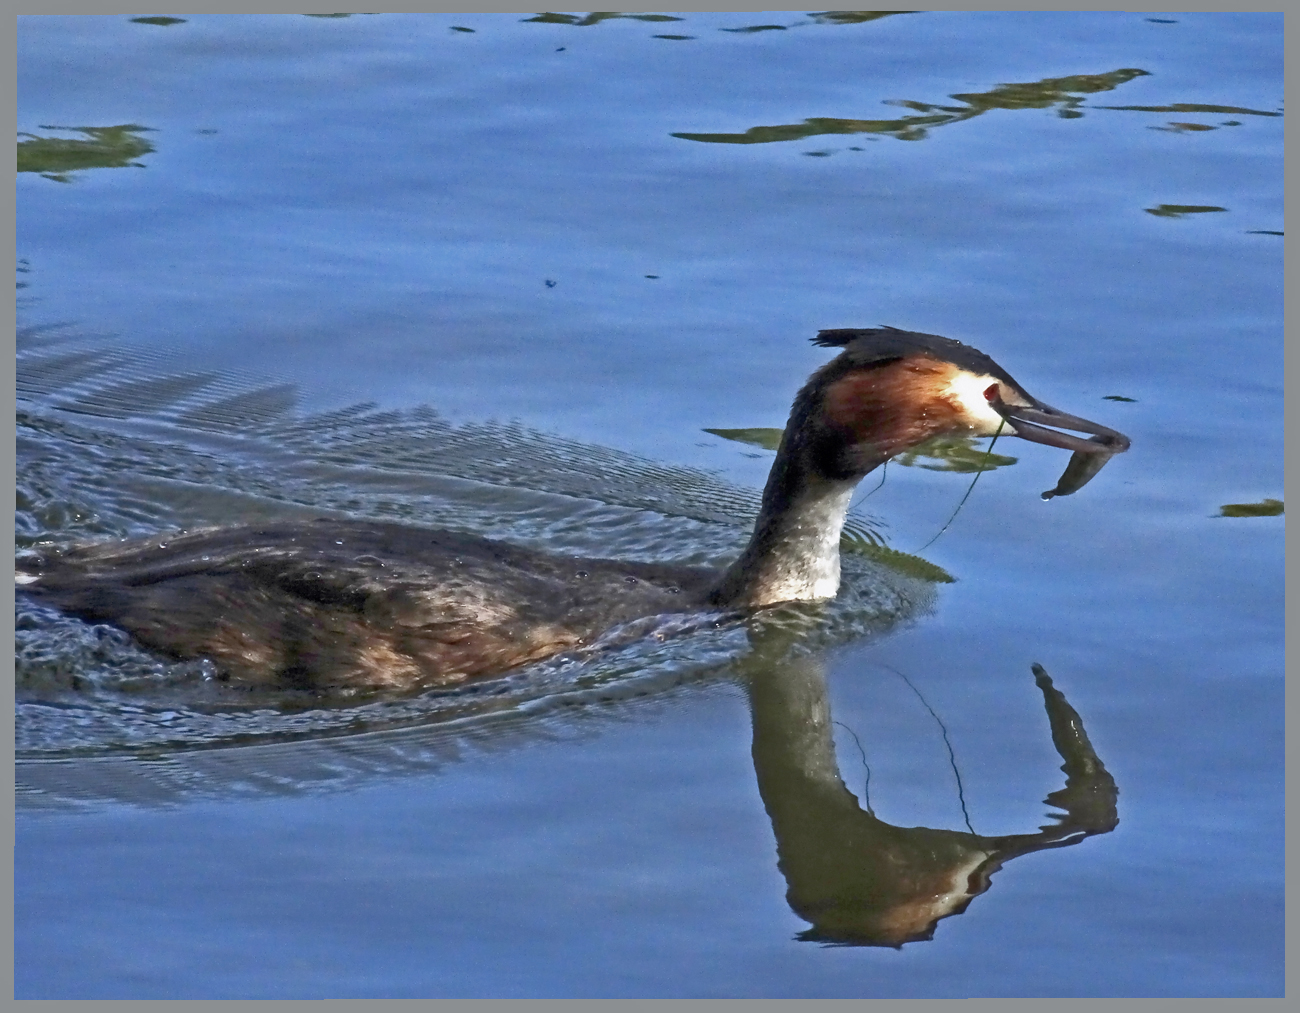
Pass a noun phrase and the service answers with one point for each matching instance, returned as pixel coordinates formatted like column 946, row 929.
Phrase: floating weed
column 1264, row 508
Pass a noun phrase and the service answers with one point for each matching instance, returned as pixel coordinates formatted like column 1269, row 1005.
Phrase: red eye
column 991, row 394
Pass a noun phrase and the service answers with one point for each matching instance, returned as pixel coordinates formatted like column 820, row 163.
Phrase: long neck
column 794, row 553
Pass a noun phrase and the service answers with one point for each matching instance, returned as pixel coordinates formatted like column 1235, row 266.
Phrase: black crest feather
column 838, row 337
column 873, row 346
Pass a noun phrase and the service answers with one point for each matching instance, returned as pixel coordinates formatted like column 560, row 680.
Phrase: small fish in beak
column 1084, row 464
column 1090, row 455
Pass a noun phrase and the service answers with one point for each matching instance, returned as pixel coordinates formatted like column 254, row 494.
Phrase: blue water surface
column 621, row 232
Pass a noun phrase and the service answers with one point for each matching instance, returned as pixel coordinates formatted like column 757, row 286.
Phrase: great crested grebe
column 357, row 604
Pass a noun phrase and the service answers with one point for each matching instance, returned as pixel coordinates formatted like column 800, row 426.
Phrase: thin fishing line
column 866, row 787
column 856, row 502
column 884, row 471
column 987, row 454
column 952, row 756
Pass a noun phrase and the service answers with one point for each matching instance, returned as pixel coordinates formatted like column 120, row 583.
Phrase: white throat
column 794, row 554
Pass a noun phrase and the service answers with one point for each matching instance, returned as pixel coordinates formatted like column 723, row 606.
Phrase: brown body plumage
column 334, row 604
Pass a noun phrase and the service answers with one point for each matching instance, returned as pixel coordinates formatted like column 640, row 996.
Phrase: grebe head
column 888, row 391
column 892, row 389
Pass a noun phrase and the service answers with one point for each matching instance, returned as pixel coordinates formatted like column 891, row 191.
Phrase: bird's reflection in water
column 857, row 879
column 864, row 882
